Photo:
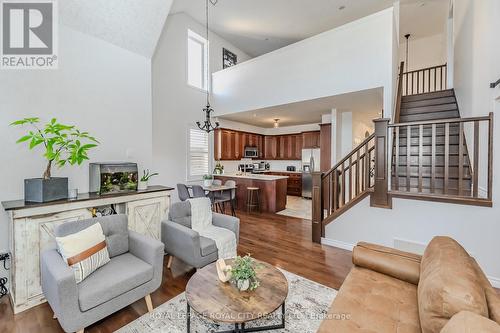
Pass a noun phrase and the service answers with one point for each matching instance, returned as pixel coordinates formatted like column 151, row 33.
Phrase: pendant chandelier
column 207, row 124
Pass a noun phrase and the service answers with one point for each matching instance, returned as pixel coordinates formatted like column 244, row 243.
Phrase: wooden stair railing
column 336, row 190
column 435, row 164
column 399, row 96
column 426, row 171
column 425, row 80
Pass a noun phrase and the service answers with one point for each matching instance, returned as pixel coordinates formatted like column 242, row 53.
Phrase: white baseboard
column 336, row 243
column 495, row 281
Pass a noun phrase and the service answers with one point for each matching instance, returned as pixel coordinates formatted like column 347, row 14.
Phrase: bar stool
column 253, row 199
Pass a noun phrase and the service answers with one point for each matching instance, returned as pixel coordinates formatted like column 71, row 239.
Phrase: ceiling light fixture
column 207, row 124
column 342, row 7
column 276, row 123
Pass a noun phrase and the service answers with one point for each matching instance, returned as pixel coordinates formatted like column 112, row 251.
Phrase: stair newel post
column 318, row 229
column 380, row 196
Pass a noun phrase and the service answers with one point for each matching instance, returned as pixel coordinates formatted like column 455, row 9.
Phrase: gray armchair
column 134, row 272
column 186, row 244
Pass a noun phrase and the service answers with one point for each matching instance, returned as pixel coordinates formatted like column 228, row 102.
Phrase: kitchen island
column 272, row 190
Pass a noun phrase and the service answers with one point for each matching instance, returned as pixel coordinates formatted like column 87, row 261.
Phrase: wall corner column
column 381, row 197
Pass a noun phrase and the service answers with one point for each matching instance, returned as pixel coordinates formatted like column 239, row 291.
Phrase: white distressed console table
column 32, row 224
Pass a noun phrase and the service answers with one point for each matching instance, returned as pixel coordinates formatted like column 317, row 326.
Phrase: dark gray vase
column 44, row 190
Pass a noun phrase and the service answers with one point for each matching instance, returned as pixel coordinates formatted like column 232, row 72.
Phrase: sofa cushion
column 469, row 322
column 372, row 302
column 492, row 297
column 122, row 274
column 448, row 284
column 180, row 212
column 398, row 264
column 114, row 227
column 207, row 246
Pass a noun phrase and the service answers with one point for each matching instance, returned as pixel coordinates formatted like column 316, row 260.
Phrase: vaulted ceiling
column 261, row 26
column 134, row 25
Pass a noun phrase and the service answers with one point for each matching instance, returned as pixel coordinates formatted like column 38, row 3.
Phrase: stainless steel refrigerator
column 310, row 163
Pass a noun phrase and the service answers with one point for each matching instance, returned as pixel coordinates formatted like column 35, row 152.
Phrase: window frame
column 197, row 177
column 205, row 66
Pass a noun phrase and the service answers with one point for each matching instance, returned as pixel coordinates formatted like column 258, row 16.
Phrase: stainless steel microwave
column 251, row 152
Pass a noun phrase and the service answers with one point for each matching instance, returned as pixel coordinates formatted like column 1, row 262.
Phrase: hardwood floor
column 279, row 240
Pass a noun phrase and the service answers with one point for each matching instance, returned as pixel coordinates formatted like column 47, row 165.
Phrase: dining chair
column 227, row 196
column 183, row 192
column 198, row 191
column 217, row 182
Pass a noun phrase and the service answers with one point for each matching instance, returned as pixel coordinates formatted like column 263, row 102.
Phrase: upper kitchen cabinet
column 271, row 147
column 225, row 145
column 230, row 144
column 311, row 139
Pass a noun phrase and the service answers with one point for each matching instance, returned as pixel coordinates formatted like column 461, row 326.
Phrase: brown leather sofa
column 443, row 291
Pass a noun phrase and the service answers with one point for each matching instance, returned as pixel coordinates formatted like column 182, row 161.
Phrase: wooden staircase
column 428, row 152
column 427, row 167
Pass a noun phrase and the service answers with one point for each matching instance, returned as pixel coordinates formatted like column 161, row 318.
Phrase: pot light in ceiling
column 342, row 7
column 276, row 123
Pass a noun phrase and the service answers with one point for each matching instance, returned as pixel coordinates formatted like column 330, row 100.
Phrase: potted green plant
column 143, row 182
column 208, row 180
column 63, row 144
column 243, row 273
column 219, row 168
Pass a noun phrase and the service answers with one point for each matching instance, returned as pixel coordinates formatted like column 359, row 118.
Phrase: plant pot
column 44, row 190
column 142, row 185
column 207, row 182
column 243, row 285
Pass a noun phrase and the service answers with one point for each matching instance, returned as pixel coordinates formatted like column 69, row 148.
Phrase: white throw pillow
column 84, row 251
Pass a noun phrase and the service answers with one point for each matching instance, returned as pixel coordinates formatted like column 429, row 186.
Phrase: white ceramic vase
column 142, row 185
column 243, row 285
column 207, row 182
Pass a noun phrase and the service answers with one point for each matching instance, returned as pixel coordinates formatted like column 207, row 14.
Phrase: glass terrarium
column 106, row 178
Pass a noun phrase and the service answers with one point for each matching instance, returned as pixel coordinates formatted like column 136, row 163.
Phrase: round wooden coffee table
column 223, row 302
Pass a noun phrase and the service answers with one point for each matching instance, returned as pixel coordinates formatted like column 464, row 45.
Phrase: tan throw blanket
column 201, row 222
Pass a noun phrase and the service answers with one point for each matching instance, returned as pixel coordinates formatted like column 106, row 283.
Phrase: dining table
column 214, row 189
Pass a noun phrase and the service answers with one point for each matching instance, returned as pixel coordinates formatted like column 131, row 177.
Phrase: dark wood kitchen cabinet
column 230, row 144
column 294, row 181
column 271, row 147
column 311, row 139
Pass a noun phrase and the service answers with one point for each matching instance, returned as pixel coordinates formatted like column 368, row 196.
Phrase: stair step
column 430, row 109
column 427, row 150
column 427, row 159
column 438, row 183
column 425, row 190
column 429, row 116
column 426, row 172
column 419, row 97
column 427, row 140
column 429, row 102
column 427, row 131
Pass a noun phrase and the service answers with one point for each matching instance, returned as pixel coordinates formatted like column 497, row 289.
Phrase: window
column 198, row 156
column 197, row 54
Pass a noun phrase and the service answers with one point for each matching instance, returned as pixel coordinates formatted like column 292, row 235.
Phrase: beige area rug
column 306, row 306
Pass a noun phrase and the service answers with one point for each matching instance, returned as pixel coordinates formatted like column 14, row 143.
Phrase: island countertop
column 272, row 190
column 254, row 176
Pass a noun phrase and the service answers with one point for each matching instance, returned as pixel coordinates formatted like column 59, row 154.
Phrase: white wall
column 424, row 52
column 177, row 106
column 354, row 57
column 98, row 87
column 476, row 54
